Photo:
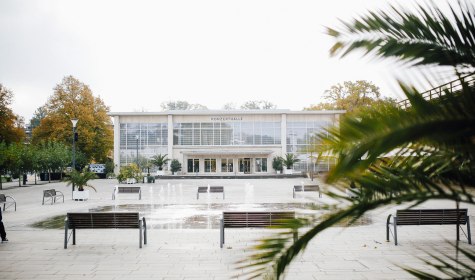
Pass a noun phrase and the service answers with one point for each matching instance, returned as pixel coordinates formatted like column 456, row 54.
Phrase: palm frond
column 425, row 37
column 451, row 266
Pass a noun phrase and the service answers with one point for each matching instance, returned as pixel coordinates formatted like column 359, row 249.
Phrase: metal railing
column 440, row 91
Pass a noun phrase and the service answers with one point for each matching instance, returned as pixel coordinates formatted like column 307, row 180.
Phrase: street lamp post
column 74, row 122
column 137, row 148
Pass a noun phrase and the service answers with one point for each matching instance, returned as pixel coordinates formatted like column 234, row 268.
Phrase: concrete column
column 116, row 144
column 283, row 134
column 170, row 140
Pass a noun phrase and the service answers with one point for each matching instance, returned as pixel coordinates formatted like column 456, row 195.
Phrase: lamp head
column 74, row 121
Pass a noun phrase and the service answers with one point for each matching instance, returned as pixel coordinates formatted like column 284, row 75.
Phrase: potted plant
column 289, row 161
column 175, row 166
column 130, row 173
column 159, row 160
column 80, row 180
column 278, row 164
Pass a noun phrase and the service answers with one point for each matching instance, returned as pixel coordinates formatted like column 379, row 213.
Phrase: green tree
column 278, row 163
column 80, row 179
column 159, row 160
column 38, row 115
column 11, row 129
column 434, row 139
column 53, row 157
column 258, row 105
column 73, row 99
column 352, row 96
column 181, row 105
column 3, row 161
column 175, row 166
column 289, row 160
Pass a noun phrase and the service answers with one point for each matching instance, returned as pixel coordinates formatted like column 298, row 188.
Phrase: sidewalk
column 359, row 252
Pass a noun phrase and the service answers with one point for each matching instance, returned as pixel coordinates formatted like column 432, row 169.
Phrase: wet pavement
column 184, row 239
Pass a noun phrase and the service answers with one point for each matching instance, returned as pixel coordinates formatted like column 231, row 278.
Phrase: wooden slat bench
column 118, row 190
column 211, row 189
column 253, row 220
column 429, row 217
column 307, row 188
column 52, row 194
column 104, row 220
column 7, row 201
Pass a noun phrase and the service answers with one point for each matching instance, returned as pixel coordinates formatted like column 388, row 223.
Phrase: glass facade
column 227, row 165
column 261, row 164
column 193, row 165
column 152, row 140
column 227, row 134
column 210, row 165
column 212, row 142
column 300, row 135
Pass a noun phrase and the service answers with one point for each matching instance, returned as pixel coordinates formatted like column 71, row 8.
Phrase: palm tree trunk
column 35, row 177
column 49, row 176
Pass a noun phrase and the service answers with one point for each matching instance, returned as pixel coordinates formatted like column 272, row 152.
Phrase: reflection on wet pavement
column 201, row 216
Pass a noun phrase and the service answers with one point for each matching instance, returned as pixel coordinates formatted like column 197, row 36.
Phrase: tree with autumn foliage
column 352, row 97
column 11, row 129
column 74, row 99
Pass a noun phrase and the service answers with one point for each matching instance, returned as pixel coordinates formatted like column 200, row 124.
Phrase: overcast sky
column 137, row 54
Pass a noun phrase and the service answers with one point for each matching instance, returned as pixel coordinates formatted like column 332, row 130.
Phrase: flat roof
column 227, row 112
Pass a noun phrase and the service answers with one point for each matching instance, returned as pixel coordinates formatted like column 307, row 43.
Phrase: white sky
column 137, row 54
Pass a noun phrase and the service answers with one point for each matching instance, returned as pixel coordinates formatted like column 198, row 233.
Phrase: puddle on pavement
column 201, row 216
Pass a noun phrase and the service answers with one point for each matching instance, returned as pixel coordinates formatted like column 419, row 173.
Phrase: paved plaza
column 186, row 244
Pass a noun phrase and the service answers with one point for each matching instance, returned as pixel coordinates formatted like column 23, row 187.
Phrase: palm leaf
column 425, row 37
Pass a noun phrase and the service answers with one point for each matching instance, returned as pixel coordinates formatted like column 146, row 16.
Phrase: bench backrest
column 431, row 216
column 103, row 220
column 307, row 188
column 51, row 192
column 216, row 189
column 128, row 189
column 3, row 198
column 212, row 189
column 255, row 219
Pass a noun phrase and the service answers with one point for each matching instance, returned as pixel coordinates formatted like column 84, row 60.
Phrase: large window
column 226, row 165
column 152, row 140
column 227, row 134
column 193, row 165
column 245, row 165
column 300, row 139
column 210, row 165
column 261, row 164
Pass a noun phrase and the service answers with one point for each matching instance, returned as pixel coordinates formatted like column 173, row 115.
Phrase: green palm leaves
column 80, row 179
column 428, row 37
column 391, row 155
column 159, row 160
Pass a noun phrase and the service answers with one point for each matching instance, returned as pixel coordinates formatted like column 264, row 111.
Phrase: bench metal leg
column 74, row 236
column 319, row 194
column 293, row 193
column 140, row 233
column 395, row 230
column 223, row 195
column 221, row 233
column 65, row 234
column 388, row 221
column 469, row 235
column 296, row 235
column 140, row 195
column 144, row 231
column 197, row 195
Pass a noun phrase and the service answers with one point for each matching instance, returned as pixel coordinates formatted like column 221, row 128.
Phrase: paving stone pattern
column 358, row 252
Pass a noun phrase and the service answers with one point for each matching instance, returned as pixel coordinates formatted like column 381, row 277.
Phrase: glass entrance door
column 245, row 165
